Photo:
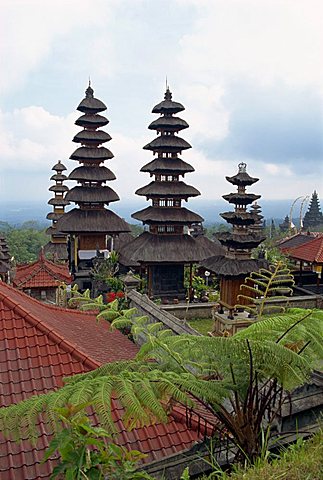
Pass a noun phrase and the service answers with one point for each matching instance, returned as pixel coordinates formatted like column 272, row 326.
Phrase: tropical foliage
column 274, row 283
column 239, row 379
column 85, row 454
column 26, row 241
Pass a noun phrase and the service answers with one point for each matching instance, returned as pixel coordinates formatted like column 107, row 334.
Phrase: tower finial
column 89, row 91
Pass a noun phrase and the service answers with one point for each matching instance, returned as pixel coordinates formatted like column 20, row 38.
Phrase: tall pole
column 305, row 199
column 291, row 213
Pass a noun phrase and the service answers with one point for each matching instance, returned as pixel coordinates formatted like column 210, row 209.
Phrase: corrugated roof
column 40, row 344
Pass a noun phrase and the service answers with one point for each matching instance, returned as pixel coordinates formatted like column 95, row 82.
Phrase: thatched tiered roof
column 165, row 242
column 56, row 247
column 245, row 234
column 91, row 195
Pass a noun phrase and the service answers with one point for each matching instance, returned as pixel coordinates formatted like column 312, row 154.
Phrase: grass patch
column 202, row 325
column 300, row 461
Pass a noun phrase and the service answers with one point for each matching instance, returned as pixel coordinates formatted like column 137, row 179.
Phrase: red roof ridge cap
column 46, row 305
column 56, row 337
column 54, row 274
column 32, row 274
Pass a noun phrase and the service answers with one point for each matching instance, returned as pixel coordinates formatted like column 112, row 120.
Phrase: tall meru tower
column 166, row 248
column 90, row 224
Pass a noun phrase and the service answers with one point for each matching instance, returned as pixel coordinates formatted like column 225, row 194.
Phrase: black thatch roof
column 90, row 104
column 233, row 240
column 53, row 216
column 241, row 198
column 89, row 137
column 167, row 165
column 242, row 178
column 149, row 248
column 103, row 194
column 58, row 188
column 59, row 167
column 57, row 250
column 171, row 189
column 167, row 215
column 167, row 143
column 53, row 231
column 295, row 240
column 4, row 267
column 238, row 218
column 213, row 246
column 87, row 154
column 87, row 173
column 167, row 105
column 92, row 221
column 91, row 121
column 58, row 177
column 169, row 124
column 230, row 267
column 60, row 202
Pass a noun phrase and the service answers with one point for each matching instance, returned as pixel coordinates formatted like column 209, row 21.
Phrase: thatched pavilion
column 166, row 247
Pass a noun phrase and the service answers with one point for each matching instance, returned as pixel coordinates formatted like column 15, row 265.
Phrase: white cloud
column 263, row 40
column 30, row 29
column 32, row 139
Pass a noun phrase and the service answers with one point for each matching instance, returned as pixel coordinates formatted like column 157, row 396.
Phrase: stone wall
column 193, row 310
column 146, row 307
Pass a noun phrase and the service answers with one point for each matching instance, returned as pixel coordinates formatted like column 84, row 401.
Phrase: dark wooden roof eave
column 168, row 215
column 149, row 248
column 92, row 222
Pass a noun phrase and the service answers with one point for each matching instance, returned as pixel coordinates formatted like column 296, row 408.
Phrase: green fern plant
column 239, row 380
column 264, row 286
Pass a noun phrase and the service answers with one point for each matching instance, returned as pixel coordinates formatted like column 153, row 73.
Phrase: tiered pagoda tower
column 313, row 217
column 236, row 264
column 255, row 210
column 4, row 260
column 57, row 246
column 90, row 224
column 285, row 225
column 166, row 247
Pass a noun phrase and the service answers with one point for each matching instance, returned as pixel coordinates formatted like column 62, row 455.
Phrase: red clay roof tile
column 39, row 345
column 41, row 273
column 311, row 252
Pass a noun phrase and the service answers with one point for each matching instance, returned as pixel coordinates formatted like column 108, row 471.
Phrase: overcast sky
column 249, row 72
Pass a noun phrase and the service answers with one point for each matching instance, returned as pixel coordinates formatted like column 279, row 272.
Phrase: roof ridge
column 41, row 325
column 30, row 275
column 37, row 302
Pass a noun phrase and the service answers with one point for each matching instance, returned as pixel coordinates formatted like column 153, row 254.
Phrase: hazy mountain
column 16, row 213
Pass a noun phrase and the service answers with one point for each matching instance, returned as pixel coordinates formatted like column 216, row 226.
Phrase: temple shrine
column 166, row 247
column 90, row 225
column 236, row 263
column 56, row 248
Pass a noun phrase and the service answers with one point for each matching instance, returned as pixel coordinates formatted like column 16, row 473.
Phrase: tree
column 239, row 379
column 25, row 243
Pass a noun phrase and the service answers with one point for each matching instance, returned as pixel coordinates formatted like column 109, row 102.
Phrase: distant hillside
column 16, row 213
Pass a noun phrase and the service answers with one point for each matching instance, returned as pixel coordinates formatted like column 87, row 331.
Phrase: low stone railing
column 145, row 306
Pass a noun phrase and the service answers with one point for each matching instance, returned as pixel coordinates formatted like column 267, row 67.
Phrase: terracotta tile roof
column 296, row 240
column 309, row 252
column 41, row 273
column 40, row 344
